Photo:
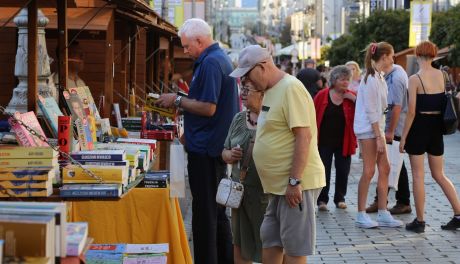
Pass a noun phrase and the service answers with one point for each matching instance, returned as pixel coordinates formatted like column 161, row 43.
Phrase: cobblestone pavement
column 339, row 241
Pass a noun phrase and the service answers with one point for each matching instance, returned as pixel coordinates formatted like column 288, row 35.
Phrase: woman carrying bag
column 247, row 219
column 423, row 133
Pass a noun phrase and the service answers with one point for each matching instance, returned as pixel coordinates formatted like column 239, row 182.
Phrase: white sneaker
column 364, row 221
column 384, row 218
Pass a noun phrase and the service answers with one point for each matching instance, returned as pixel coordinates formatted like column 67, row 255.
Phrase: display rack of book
column 39, row 233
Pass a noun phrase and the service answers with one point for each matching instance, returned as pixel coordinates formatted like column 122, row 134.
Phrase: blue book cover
column 90, row 190
column 90, row 193
column 51, row 111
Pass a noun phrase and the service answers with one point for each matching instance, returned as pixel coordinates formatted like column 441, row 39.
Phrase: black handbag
column 450, row 116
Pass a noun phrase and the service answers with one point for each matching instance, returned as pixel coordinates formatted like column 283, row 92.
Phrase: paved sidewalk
column 339, row 241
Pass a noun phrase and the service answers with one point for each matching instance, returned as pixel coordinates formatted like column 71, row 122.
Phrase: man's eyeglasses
column 246, row 90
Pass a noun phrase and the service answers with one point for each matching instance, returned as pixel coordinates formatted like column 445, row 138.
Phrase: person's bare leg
column 272, row 255
column 294, row 260
column 369, row 150
column 437, row 172
column 418, row 179
column 383, row 165
column 237, row 258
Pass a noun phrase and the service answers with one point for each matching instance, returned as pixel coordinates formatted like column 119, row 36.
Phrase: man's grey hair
column 195, row 27
column 339, row 72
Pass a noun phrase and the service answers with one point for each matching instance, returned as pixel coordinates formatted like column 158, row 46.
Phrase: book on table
column 77, row 234
column 28, row 235
column 51, row 111
column 23, row 136
column 75, row 174
column 57, row 210
column 20, row 152
column 91, row 190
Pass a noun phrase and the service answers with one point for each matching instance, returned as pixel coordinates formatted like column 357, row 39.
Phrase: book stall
column 84, row 151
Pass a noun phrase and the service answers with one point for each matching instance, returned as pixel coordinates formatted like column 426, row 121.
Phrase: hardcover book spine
column 104, row 163
column 89, row 193
column 12, row 163
column 97, row 157
column 22, row 153
column 64, row 134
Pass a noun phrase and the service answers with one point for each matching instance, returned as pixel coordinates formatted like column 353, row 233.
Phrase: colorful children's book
column 83, row 98
column 84, row 134
column 23, row 136
column 92, row 103
column 75, row 105
column 51, row 111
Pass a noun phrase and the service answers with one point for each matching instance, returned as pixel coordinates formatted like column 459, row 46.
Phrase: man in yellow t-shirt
column 286, row 157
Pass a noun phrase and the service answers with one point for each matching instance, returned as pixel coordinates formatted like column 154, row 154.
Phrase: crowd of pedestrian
column 282, row 145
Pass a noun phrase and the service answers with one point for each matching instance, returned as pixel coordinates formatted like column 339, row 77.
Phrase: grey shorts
column 290, row 228
column 366, row 135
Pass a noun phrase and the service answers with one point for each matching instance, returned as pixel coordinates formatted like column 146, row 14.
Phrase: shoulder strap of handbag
column 245, row 167
column 446, row 81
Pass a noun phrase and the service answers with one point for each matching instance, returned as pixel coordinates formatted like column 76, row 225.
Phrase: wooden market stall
column 123, row 41
column 127, row 47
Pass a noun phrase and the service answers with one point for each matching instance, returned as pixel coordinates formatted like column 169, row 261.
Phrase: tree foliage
column 445, row 31
column 285, row 38
column 391, row 26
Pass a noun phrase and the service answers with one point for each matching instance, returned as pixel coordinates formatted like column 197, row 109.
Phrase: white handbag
column 229, row 192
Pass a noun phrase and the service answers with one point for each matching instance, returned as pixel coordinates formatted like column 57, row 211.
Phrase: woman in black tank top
column 423, row 133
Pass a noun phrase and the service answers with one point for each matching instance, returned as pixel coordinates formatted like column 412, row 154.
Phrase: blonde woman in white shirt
column 355, row 75
column 371, row 105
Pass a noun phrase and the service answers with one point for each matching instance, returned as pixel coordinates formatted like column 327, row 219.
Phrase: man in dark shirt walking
column 310, row 78
column 208, row 111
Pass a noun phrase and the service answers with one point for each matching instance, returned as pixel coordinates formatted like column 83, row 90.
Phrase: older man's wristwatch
column 294, row 181
column 177, row 101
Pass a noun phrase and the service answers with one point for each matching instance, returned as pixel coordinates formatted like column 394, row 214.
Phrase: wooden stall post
column 63, row 69
column 109, row 56
column 32, row 57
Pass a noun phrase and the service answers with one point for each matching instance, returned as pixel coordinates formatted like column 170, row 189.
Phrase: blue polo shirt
column 211, row 83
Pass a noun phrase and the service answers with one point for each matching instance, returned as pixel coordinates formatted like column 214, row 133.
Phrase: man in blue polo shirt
column 208, row 111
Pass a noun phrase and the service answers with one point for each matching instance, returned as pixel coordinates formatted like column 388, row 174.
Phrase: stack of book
column 153, row 130
column 127, row 253
column 31, row 229
column 143, row 152
column 155, row 179
column 132, row 123
column 28, row 171
column 77, row 235
column 111, row 166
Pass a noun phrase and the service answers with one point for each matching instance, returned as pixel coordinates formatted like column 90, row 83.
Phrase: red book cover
column 64, row 134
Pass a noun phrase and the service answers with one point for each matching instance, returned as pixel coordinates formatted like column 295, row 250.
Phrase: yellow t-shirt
column 285, row 106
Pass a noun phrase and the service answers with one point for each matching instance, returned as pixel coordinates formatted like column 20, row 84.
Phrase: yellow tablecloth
column 143, row 216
